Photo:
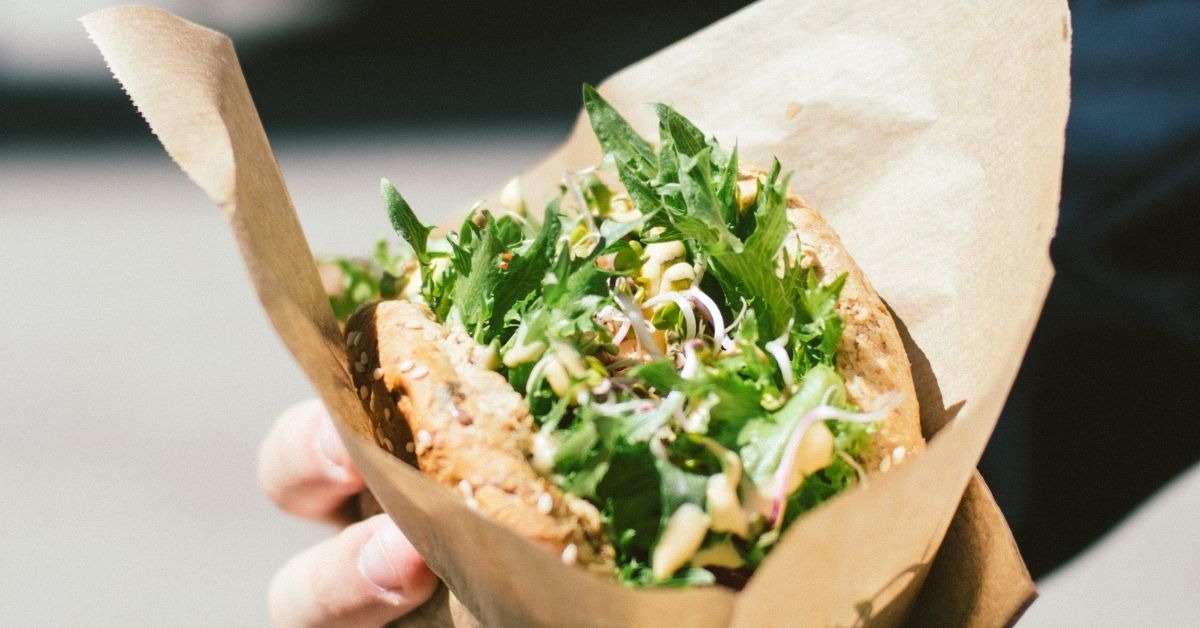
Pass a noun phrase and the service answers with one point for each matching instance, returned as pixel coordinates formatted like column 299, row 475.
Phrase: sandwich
column 654, row 378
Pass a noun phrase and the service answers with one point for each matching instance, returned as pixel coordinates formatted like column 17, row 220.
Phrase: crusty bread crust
column 470, row 431
column 871, row 356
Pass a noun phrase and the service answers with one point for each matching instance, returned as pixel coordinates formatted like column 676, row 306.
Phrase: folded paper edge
column 979, row 544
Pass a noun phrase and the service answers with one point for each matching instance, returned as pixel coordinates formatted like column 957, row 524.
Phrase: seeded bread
column 464, row 426
column 870, row 356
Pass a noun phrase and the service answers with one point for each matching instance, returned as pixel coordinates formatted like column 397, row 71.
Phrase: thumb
column 367, row 575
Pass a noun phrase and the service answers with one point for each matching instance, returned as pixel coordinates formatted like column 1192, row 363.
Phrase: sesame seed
column 405, row 366
column 358, row 367
column 569, row 554
column 885, row 464
column 898, row 454
column 424, row 439
column 431, row 333
column 353, row 337
column 364, row 392
column 545, row 503
column 378, row 374
column 466, row 489
column 419, row 372
column 387, row 413
column 409, row 447
column 362, row 357
column 413, row 324
column 388, row 444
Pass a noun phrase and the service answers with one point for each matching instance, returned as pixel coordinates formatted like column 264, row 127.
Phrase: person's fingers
column 367, row 575
column 303, row 465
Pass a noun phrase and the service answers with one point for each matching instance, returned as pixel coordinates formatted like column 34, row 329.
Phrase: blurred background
column 123, row 325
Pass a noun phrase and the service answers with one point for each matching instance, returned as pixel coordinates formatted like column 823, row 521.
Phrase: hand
column 366, row 575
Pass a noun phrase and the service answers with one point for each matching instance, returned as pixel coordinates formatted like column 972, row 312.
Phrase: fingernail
column 333, row 451
column 375, row 562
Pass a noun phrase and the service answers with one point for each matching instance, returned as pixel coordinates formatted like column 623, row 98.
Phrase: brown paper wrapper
column 929, row 134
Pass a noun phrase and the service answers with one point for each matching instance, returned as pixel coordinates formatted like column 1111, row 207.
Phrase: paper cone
column 929, row 134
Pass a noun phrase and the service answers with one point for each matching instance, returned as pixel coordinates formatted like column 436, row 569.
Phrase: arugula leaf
column 584, row 279
column 704, row 221
column 727, row 189
column 405, row 221
column 819, row 487
column 358, row 286
column 472, row 292
column 643, row 196
column 736, row 400
column 363, row 280
column 612, row 232
column 820, row 329
column 509, row 232
column 763, row 440
column 616, row 136
column 639, row 427
column 751, row 274
column 679, row 487
column 631, row 498
column 752, row 278
column 597, row 195
column 668, row 161
column 693, row 453
column 526, row 271
column 660, row 374
column 771, row 222
column 687, row 138
column 575, row 446
column 583, row 481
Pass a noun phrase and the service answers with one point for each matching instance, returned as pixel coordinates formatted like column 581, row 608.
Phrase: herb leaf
column 631, row 492
column 616, row 136
column 526, row 271
column 763, row 440
column 703, row 220
column 750, row 274
column 472, row 292
column 405, row 221
column 687, row 138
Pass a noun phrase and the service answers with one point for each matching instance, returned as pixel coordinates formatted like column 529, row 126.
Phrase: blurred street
column 138, row 372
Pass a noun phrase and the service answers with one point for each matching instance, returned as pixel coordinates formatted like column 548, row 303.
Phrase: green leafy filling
column 639, row 432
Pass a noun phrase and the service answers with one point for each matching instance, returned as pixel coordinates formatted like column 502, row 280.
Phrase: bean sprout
column 640, row 326
column 820, row 413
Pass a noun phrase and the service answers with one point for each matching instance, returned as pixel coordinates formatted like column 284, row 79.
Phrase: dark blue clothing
column 1107, row 405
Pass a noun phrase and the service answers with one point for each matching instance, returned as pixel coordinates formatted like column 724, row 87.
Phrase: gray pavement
column 137, row 372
